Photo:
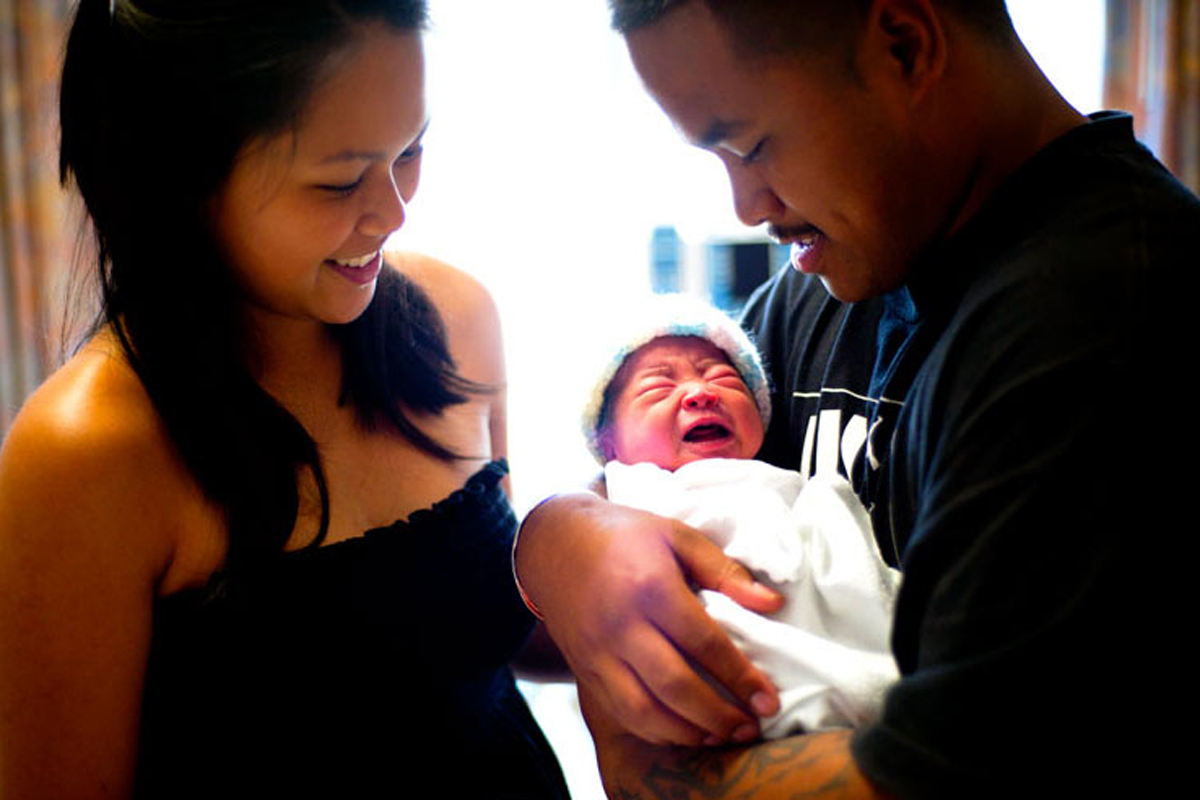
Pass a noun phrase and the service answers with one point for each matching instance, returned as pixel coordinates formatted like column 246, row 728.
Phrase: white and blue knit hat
column 674, row 315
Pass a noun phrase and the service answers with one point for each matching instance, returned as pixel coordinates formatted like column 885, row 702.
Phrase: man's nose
column 754, row 201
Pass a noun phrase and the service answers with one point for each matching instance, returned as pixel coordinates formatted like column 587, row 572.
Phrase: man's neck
column 1011, row 122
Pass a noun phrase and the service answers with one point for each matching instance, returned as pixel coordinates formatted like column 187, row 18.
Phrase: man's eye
column 755, row 153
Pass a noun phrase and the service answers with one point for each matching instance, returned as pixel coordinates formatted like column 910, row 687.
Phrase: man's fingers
column 628, row 701
column 697, row 634
column 709, row 568
column 683, row 693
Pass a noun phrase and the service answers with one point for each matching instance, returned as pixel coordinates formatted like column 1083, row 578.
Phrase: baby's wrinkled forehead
column 668, row 355
column 668, row 352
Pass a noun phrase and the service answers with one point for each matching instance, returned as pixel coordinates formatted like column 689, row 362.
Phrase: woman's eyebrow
column 353, row 155
column 369, row 155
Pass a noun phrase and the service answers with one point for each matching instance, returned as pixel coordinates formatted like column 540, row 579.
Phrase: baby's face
column 680, row 401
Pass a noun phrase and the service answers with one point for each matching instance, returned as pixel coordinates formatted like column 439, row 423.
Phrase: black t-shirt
column 1008, row 418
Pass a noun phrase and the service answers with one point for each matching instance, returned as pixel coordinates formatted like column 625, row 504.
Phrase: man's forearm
column 811, row 766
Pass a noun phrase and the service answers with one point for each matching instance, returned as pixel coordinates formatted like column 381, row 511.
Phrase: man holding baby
column 981, row 333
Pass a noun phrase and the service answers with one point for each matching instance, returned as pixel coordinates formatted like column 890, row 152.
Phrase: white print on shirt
column 836, row 443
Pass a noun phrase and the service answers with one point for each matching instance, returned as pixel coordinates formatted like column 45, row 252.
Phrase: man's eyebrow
column 719, row 131
column 368, row 155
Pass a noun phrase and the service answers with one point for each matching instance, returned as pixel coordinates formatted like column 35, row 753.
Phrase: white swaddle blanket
column 827, row 649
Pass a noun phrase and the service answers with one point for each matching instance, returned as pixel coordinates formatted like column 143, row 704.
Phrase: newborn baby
column 677, row 415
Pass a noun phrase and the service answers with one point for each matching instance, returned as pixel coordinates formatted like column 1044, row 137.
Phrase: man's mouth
column 803, row 239
column 803, row 235
column 707, row 432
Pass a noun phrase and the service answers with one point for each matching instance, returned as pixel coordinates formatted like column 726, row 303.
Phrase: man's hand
column 610, row 582
column 817, row 766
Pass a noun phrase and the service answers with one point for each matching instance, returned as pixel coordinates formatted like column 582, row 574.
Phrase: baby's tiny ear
column 605, row 440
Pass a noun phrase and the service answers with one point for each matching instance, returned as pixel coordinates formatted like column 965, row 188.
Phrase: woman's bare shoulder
column 452, row 290
column 467, row 309
column 87, row 461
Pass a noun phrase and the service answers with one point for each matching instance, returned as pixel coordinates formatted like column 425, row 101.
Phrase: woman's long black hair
column 157, row 99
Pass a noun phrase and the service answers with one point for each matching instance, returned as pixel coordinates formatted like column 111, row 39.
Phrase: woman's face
column 304, row 215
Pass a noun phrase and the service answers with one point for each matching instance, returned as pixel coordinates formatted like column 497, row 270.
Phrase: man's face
column 827, row 158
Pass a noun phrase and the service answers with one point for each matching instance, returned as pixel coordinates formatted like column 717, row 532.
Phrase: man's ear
column 906, row 42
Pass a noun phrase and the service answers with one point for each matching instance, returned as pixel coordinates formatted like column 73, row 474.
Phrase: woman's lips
column 361, row 270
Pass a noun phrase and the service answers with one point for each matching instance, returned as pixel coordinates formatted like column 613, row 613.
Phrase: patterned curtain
column 1152, row 69
column 34, row 236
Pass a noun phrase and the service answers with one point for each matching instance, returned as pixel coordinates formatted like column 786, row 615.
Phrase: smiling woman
column 222, row 520
column 343, row 175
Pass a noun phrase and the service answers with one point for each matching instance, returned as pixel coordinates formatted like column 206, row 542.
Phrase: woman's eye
column 341, row 189
column 411, row 154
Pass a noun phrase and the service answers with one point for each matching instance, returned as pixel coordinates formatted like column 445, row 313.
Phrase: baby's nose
column 699, row 397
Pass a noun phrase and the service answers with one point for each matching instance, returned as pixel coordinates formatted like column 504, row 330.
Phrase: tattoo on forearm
column 798, row 767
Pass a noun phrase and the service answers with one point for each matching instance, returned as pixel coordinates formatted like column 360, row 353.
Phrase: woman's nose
column 385, row 213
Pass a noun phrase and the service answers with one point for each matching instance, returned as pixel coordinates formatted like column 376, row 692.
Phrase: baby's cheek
column 752, row 441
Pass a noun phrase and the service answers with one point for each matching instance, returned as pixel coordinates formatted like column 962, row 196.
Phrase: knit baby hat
column 673, row 315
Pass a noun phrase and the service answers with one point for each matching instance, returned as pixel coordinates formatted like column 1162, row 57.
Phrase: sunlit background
column 546, row 170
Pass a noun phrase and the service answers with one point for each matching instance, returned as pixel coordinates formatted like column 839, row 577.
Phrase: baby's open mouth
column 707, row 432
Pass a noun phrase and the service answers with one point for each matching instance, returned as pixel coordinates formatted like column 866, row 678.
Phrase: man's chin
column 855, row 291
column 843, row 291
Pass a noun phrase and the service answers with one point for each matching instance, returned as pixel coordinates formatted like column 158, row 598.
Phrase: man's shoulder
column 1097, row 188
column 1093, row 230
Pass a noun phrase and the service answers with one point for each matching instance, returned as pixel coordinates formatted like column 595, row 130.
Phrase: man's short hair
column 781, row 27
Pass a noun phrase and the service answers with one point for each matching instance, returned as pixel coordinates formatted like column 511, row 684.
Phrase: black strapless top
column 373, row 667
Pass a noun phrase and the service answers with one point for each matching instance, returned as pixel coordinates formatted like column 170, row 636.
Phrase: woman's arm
column 85, row 536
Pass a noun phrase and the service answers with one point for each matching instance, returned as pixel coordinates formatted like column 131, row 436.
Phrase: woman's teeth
column 355, row 263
